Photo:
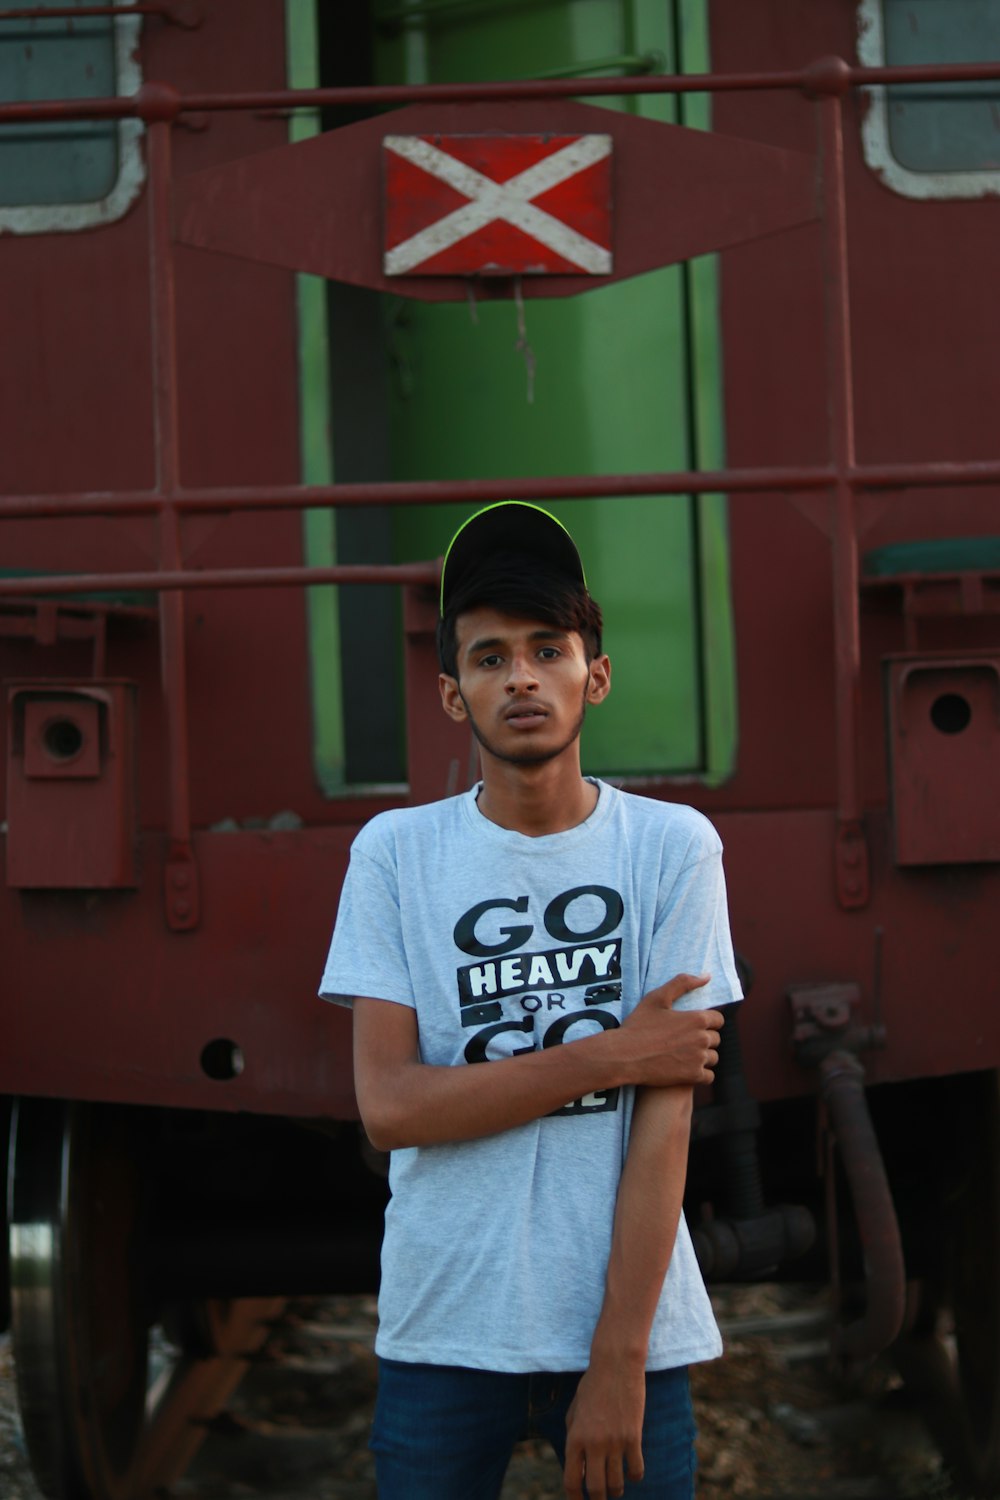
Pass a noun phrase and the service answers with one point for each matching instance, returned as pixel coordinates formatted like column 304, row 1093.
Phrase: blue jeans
column 442, row 1432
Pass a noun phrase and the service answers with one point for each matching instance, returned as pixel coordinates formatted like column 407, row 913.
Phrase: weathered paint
column 498, row 227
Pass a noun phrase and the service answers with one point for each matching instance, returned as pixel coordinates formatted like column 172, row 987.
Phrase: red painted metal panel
column 144, row 1007
column 918, row 279
column 71, row 792
column 313, row 206
column 497, row 205
column 944, row 748
column 100, row 1003
column 919, row 952
column 250, row 745
column 77, row 410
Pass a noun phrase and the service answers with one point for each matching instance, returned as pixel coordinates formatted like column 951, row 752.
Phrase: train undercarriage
column 123, row 1218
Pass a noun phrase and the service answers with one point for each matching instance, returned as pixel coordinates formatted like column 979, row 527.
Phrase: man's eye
column 492, row 660
column 549, row 653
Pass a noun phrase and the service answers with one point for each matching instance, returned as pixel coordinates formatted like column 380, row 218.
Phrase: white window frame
column 875, row 130
column 53, row 218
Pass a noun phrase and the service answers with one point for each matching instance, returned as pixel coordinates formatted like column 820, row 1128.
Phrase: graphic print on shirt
column 537, row 984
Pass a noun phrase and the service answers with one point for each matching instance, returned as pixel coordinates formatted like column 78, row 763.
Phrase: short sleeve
column 366, row 954
column 692, row 935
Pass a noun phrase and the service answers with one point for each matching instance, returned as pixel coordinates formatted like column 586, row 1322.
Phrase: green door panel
column 461, row 409
column 621, row 379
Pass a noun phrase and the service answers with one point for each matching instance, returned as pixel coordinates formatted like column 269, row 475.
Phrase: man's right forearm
column 407, row 1102
column 423, row 1105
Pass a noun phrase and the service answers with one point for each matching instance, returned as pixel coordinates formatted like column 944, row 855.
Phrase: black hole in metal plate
column 951, row 713
column 63, row 738
column 221, row 1060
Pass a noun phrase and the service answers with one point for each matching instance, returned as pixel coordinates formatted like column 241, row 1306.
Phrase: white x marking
column 510, row 201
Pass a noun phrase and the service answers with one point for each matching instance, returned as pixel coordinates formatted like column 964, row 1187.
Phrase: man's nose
column 521, row 676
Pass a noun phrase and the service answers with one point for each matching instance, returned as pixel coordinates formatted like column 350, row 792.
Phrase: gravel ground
column 772, row 1421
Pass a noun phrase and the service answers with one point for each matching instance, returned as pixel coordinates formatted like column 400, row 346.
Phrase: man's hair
column 522, row 585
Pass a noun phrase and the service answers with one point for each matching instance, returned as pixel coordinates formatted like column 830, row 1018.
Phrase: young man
column 537, row 1274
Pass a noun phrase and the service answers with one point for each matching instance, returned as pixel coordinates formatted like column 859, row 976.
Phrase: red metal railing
column 219, row 501
column 159, row 105
column 185, row 13
column 828, row 75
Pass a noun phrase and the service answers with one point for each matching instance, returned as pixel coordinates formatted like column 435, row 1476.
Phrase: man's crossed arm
column 406, row 1102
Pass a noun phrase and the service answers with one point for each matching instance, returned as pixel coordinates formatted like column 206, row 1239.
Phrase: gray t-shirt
column 496, row 1250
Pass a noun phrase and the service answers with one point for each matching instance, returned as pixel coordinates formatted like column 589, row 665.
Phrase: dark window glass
column 72, row 162
column 944, row 127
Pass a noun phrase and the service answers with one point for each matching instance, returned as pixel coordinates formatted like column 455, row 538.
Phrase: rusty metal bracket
column 824, row 1021
column 182, row 891
column 851, row 865
column 47, row 621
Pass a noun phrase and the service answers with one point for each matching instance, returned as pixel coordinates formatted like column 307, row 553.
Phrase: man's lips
column 525, row 714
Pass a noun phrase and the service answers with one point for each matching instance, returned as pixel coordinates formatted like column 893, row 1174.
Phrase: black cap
column 508, row 526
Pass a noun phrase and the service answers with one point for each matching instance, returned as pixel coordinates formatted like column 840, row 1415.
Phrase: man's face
column 522, row 685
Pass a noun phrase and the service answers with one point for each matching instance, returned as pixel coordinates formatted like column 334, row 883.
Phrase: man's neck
column 536, row 800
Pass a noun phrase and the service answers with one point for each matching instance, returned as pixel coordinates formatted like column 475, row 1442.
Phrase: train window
column 75, row 174
column 932, row 140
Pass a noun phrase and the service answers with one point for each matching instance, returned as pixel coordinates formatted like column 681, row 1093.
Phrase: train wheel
column 954, row 1357
column 78, row 1317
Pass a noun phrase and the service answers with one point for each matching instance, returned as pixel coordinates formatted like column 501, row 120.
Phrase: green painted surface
column 627, row 378
column 942, row 554
column 611, row 390
column 319, row 535
column 467, row 413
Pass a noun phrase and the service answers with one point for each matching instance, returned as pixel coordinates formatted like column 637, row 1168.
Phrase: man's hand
column 604, row 1431
column 683, row 1045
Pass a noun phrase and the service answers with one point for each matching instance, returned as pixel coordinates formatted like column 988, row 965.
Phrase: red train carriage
column 247, row 386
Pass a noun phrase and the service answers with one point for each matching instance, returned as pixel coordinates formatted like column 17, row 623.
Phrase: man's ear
column 451, row 698
column 599, row 684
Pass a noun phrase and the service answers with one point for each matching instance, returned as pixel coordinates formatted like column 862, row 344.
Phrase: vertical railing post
column 159, row 106
column 441, row 758
column 829, row 80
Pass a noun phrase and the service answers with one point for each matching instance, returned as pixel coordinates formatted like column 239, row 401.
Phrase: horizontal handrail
column 221, row 578
column 276, row 497
column 160, row 101
column 409, row 492
column 167, row 10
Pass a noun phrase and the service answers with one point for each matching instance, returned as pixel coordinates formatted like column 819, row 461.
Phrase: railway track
column 282, row 1410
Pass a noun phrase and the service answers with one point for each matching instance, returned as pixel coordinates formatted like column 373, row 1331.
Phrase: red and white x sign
column 505, row 205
